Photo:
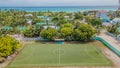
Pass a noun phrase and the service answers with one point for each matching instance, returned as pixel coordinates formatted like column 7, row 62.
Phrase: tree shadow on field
column 78, row 42
column 66, row 42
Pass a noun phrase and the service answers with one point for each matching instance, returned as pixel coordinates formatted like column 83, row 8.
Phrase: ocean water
column 62, row 9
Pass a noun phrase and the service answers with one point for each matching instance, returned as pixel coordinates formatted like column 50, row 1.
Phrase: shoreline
column 62, row 8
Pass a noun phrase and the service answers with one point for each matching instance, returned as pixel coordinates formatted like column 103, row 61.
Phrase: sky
column 58, row 2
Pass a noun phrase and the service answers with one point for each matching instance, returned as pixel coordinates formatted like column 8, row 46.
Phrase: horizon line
column 64, row 6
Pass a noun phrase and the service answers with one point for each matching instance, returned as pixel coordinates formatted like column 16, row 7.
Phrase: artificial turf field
column 38, row 54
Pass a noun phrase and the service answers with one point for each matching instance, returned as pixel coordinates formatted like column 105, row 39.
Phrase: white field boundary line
column 59, row 54
column 72, row 64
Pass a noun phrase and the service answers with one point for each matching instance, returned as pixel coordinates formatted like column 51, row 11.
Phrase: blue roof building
column 101, row 14
column 105, row 19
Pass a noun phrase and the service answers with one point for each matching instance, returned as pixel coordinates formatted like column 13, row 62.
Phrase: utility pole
column 119, row 5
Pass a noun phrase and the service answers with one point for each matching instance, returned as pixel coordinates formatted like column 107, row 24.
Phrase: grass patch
column 37, row 54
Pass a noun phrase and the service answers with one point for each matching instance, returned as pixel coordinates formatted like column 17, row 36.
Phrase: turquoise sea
column 62, row 9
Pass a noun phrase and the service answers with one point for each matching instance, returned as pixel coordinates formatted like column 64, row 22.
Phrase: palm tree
column 56, row 20
column 116, row 33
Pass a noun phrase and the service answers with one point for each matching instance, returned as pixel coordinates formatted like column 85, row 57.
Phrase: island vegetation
column 70, row 26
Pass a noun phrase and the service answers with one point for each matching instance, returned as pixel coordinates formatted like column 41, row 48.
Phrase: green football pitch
column 37, row 54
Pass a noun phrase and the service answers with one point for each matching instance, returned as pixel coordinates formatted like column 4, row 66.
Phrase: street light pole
column 119, row 5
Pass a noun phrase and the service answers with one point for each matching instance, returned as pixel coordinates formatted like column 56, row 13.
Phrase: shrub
column 29, row 32
column 49, row 33
column 8, row 45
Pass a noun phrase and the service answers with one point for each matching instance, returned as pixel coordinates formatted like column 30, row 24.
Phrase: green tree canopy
column 84, row 32
column 95, row 22
column 49, row 33
column 67, row 25
column 78, row 15
column 66, row 32
column 33, row 31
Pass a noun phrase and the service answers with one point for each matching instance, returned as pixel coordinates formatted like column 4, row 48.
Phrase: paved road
column 115, row 43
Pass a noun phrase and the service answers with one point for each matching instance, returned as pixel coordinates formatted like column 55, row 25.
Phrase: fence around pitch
column 32, row 39
column 108, row 45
